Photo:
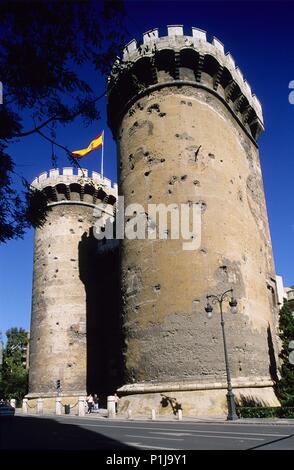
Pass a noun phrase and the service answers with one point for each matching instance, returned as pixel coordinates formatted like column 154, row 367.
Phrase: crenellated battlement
column 68, row 172
column 71, row 185
column 179, row 59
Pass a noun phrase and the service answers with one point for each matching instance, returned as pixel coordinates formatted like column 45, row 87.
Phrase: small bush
column 256, row 412
column 286, row 412
column 265, row 412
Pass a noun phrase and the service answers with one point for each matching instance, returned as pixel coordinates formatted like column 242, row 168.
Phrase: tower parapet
column 67, row 187
column 175, row 60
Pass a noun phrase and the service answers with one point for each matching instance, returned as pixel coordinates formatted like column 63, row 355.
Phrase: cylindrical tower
column 65, row 277
column 186, row 125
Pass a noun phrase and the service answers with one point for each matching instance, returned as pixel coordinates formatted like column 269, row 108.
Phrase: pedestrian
column 96, row 403
column 116, row 400
column 90, row 401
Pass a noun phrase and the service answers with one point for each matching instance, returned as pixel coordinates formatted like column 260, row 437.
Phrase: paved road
column 37, row 433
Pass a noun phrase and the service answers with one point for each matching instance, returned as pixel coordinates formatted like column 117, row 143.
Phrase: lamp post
column 218, row 299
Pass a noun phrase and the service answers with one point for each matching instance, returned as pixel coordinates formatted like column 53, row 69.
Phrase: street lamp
column 218, row 299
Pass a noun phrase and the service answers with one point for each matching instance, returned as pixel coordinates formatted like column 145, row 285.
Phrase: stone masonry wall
column 180, row 145
column 70, row 311
column 58, row 333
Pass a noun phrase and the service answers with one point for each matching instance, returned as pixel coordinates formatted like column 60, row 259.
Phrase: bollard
column 12, row 402
column 81, row 406
column 129, row 414
column 58, row 406
column 153, row 414
column 111, row 406
column 180, row 415
column 40, row 406
column 25, row 406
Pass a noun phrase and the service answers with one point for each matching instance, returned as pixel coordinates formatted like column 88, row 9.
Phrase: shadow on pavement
column 274, row 441
column 29, row 433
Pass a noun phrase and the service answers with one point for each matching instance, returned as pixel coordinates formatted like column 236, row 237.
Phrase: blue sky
column 260, row 37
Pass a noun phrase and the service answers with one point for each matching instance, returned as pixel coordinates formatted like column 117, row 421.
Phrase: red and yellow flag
column 93, row 145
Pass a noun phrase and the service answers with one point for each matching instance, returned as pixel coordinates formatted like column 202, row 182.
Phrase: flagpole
column 102, row 156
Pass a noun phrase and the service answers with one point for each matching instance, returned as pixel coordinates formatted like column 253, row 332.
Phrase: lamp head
column 233, row 304
column 208, row 310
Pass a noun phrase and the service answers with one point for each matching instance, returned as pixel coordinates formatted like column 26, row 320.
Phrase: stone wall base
column 194, row 403
column 49, row 402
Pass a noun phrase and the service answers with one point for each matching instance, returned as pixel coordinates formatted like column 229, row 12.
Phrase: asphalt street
column 74, row 433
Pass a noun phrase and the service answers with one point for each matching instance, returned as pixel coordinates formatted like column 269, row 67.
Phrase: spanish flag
column 93, row 145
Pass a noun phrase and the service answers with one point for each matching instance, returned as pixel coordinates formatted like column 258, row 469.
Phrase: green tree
column 1, row 360
column 285, row 386
column 14, row 376
column 45, row 49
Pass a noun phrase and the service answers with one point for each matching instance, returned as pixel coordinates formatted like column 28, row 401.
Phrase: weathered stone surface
column 186, row 124
column 200, row 403
column 203, row 154
column 67, row 280
column 58, row 332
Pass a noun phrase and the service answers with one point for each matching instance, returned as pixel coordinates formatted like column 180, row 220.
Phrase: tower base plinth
column 49, row 401
column 193, row 399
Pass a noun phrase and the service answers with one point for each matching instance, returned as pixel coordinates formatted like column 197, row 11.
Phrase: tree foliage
column 285, row 386
column 14, row 375
column 44, row 46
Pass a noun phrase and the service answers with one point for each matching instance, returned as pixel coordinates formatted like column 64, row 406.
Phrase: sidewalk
column 102, row 414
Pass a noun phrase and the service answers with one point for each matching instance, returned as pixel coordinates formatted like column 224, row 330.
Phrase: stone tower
column 67, row 275
column 186, row 125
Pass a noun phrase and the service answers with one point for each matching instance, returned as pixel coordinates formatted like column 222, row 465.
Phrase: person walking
column 90, row 401
column 96, row 403
column 116, row 400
